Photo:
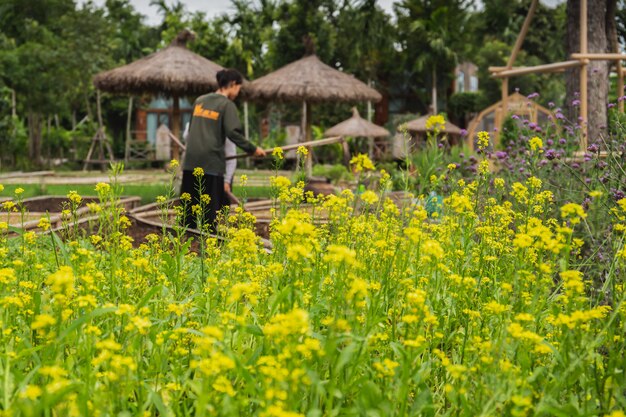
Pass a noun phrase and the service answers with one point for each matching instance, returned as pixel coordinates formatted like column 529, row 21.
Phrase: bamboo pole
column 309, row 144
column 522, row 35
column 128, row 136
column 176, row 126
column 583, row 75
column 599, row 57
column 504, row 111
column 620, row 86
column 538, row 68
column 246, row 124
column 495, row 70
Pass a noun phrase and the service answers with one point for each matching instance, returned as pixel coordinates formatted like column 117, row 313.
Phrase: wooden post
column 369, row 104
column 583, row 75
column 537, row 68
column 307, row 138
column 620, row 86
column 504, row 111
column 13, row 103
column 434, row 91
column 522, row 35
column 99, row 109
column 128, row 135
column 176, row 126
column 246, row 124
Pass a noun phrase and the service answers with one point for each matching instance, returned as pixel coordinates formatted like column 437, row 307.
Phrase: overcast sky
column 210, row 7
column 216, row 7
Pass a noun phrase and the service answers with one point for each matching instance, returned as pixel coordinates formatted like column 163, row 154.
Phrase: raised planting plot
column 37, row 207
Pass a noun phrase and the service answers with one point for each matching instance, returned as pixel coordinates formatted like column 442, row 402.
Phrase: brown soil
column 53, row 204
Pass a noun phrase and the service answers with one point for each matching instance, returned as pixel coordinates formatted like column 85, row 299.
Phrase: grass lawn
column 147, row 192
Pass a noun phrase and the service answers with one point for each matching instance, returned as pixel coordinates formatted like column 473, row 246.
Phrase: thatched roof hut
column 356, row 126
column 419, row 126
column 172, row 71
column 310, row 80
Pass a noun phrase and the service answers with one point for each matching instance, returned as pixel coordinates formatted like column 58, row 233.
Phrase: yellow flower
column 62, row 281
column 302, row 151
column 293, row 323
column 42, row 321
column 574, row 212
column 74, row 197
column 44, row 223
column 1, row 188
column 103, row 188
column 7, row 275
column 436, row 123
column 369, row 197
column 280, row 181
column 536, row 144
column 174, row 163
column 278, row 153
column 19, row 190
column 386, row 368
column 185, row 197
column 31, row 392
column 483, row 140
column 483, row 167
column 243, row 180
column 362, row 162
column 198, row 172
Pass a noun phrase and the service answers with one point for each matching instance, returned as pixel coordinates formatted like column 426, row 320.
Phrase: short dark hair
column 227, row 76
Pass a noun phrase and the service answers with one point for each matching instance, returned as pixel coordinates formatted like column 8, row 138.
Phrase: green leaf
column 83, row 319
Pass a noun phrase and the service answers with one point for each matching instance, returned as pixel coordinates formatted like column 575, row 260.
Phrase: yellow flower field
column 384, row 310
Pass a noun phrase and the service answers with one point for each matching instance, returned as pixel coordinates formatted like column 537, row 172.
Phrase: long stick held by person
column 214, row 119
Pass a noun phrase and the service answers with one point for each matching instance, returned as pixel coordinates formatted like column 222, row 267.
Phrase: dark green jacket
column 214, row 119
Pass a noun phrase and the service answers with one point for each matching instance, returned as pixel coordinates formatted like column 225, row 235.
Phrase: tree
column 599, row 35
column 431, row 33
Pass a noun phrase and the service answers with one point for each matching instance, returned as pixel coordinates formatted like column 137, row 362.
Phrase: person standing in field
column 214, row 119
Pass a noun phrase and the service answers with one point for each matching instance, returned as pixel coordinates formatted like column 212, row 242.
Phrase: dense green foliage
column 50, row 50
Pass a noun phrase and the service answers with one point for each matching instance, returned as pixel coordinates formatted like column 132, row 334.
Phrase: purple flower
column 463, row 132
column 501, row 155
column 549, row 142
column 576, row 103
column 611, row 105
column 621, row 98
column 532, row 96
column 559, row 115
column 515, row 117
column 551, row 154
column 550, row 104
column 618, row 195
column 593, row 148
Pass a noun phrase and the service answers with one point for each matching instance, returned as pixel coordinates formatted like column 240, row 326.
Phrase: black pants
column 213, row 185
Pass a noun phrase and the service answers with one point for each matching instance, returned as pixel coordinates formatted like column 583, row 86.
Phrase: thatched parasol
column 356, row 126
column 419, row 126
column 174, row 71
column 309, row 80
